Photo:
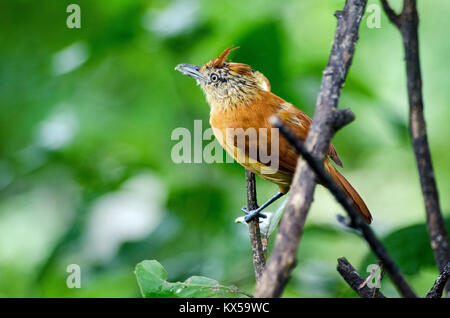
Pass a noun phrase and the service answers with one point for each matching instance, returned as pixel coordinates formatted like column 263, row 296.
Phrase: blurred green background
column 86, row 117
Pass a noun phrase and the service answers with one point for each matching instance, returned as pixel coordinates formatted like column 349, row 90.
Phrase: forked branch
column 356, row 220
column 284, row 255
column 407, row 22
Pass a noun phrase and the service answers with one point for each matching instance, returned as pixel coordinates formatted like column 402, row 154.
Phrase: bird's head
column 226, row 84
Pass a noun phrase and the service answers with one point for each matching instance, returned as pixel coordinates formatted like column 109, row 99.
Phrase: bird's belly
column 273, row 174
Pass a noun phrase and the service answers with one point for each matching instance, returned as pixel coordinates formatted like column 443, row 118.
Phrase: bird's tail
column 347, row 187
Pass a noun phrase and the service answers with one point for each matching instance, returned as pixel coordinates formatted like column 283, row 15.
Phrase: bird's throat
column 226, row 102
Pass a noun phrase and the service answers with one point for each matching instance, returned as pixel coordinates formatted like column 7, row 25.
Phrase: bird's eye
column 214, row 78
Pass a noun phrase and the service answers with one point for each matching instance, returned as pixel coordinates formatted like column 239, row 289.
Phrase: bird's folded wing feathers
column 299, row 123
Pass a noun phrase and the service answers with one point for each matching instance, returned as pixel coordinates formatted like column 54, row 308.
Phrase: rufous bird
column 240, row 97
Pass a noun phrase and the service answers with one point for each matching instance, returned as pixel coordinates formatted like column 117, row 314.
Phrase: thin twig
column 393, row 17
column 407, row 22
column 356, row 220
column 259, row 260
column 355, row 281
column 371, row 274
column 284, row 255
column 438, row 287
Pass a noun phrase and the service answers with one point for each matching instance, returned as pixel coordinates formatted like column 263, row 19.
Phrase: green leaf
column 152, row 280
column 409, row 247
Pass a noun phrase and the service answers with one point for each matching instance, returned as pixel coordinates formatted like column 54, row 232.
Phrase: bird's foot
column 250, row 215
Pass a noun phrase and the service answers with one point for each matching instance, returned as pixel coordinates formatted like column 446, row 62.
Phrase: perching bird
column 240, row 98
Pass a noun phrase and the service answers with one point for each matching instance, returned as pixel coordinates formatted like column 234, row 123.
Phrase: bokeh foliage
column 86, row 117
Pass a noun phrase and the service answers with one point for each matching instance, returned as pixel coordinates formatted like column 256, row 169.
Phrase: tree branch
column 352, row 277
column 407, row 23
column 259, row 261
column 393, row 17
column 283, row 258
column 356, row 220
column 438, row 287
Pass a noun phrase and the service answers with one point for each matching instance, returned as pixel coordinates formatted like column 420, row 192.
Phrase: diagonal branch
column 352, row 277
column 356, row 220
column 284, row 255
column 407, row 23
column 393, row 17
column 259, row 261
column 438, row 287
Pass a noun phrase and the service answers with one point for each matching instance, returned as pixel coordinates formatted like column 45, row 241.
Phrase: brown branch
column 259, row 260
column 393, row 17
column 356, row 220
column 352, row 277
column 284, row 255
column 438, row 287
column 407, row 22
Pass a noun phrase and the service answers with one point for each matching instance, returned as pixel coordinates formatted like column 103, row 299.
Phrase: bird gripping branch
column 241, row 107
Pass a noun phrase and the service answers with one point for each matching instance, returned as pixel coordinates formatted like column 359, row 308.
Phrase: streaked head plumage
column 227, row 83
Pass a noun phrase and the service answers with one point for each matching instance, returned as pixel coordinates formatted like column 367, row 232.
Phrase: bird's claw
column 250, row 215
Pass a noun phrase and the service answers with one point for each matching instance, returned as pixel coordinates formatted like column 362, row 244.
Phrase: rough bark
column 259, row 260
column 407, row 22
column 356, row 220
column 354, row 280
column 284, row 255
column 438, row 287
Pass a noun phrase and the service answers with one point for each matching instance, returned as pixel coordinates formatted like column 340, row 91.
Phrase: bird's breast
column 245, row 134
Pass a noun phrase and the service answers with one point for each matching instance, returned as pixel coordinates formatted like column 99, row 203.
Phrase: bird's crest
column 220, row 61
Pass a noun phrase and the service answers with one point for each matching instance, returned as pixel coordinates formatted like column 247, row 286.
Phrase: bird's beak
column 190, row 70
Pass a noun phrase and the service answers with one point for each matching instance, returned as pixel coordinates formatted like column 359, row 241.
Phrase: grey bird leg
column 250, row 215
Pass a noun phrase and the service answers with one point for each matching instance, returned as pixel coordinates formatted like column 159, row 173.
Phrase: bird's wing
column 242, row 146
column 299, row 124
